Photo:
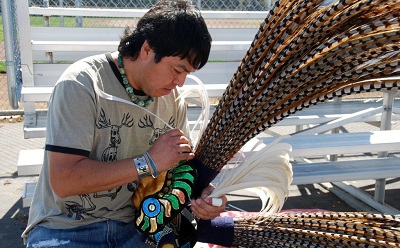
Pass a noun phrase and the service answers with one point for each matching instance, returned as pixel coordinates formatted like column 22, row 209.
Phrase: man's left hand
column 203, row 208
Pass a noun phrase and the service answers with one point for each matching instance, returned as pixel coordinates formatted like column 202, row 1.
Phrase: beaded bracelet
column 153, row 166
column 142, row 166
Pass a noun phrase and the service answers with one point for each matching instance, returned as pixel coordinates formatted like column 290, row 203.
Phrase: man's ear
column 145, row 50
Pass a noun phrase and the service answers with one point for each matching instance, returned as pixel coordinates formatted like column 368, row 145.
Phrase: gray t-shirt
column 80, row 121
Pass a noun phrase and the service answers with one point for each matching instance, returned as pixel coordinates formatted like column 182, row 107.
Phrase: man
column 109, row 125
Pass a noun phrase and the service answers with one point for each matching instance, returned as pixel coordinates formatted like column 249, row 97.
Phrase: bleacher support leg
column 386, row 124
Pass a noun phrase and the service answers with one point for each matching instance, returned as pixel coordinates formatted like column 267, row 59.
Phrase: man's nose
column 180, row 80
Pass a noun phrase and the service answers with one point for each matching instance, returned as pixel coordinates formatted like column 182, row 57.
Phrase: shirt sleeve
column 71, row 116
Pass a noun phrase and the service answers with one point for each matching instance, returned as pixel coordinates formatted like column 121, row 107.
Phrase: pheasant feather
column 322, row 229
column 302, row 55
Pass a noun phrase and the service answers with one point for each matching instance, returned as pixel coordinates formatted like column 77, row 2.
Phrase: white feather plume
column 267, row 172
column 205, row 112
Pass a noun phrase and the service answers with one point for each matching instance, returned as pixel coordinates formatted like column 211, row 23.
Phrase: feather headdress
column 302, row 55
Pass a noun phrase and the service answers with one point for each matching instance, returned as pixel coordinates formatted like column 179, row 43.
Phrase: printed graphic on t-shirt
column 86, row 207
column 79, row 209
column 146, row 122
column 110, row 153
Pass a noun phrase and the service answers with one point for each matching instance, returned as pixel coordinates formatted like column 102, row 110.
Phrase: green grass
column 2, row 67
column 38, row 21
column 2, row 63
column 1, row 29
column 55, row 21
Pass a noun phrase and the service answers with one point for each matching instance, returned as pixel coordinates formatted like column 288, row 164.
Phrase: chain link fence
column 7, row 105
column 239, row 5
column 9, row 61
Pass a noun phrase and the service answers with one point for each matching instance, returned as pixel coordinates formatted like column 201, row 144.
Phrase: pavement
column 13, row 217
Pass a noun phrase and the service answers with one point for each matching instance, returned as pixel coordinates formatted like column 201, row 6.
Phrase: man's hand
column 170, row 148
column 203, row 208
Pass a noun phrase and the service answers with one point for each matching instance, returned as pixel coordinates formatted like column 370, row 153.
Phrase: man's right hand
column 170, row 148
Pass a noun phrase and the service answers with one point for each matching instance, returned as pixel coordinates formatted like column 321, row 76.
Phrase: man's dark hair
column 172, row 28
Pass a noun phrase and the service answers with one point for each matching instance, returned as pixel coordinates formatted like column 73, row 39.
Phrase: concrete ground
column 13, row 216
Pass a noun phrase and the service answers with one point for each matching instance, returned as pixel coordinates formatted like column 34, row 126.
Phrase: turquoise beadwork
column 129, row 89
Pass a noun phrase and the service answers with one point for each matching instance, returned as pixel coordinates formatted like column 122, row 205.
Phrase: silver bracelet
column 141, row 166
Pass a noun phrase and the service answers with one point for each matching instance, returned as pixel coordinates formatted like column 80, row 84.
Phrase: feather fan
column 304, row 53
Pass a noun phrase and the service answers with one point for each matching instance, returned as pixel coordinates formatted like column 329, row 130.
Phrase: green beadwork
column 129, row 89
column 161, row 208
